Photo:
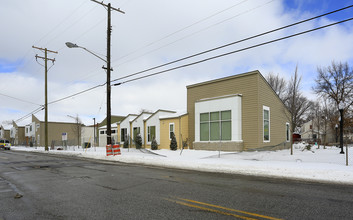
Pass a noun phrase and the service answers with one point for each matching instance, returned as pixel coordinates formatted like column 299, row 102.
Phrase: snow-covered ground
column 323, row 165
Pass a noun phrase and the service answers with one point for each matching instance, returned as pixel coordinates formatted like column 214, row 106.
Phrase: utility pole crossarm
column 53, row 60
column 44, row 49
column 116, row 9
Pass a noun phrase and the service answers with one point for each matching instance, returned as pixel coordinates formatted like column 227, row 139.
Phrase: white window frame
column 170, row 130
column 288, row 132
column 266, row 108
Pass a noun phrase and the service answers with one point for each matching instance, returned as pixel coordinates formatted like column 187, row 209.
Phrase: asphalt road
column 41, row 186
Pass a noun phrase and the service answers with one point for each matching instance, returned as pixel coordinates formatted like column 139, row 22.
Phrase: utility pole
column 45, row 58
column 108, row 68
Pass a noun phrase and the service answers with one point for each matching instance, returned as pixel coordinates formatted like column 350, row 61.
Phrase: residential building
column 103, row 134
column 87, row 136
column 237, row 113
column 56, row 132
column 174, row 123
column 17, row 134
column 311, row 132
column 138, row 126
column 4, row 133
column 153, row 128
column 126, row 129
column 114, row 119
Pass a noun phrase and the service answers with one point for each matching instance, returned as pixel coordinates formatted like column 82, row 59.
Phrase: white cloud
column 51, row 24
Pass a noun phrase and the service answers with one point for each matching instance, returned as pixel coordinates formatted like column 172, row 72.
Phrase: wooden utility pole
column 108, row 68
column 45, row 58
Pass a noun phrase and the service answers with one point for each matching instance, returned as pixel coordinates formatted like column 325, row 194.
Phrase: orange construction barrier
column 116, row 150
column 109, row 150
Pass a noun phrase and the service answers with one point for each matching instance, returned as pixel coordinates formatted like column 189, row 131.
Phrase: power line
column 214, row 57
column 235, row 42
column 180, row 30
column 151, row 51
column 232, row 52
column 19, row 99
column 78, row 93
column 29, row 114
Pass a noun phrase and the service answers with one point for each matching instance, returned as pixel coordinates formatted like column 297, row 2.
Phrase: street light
column 72, row 45
column 341, row 106
column 336, row 126
column 108, row 68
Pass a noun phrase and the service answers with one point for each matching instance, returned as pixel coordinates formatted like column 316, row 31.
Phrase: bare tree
column 278, row 84
column 297, row 104
column 336, row 83
column 77, row 128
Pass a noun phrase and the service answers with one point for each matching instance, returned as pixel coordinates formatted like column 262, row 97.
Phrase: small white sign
column 64, row 136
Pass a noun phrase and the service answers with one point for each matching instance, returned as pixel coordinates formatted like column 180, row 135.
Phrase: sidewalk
column 319, row 165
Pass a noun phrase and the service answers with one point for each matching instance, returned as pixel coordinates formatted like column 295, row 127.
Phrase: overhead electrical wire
column 232, row 43
column 18, row 99
column 204, row 60
column 29, row 114
column 235, row 51
column 218, row 56
column 151, row 51
column 180, row 30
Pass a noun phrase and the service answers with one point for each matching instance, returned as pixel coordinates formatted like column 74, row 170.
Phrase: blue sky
column 140, row 37
column 8, row 66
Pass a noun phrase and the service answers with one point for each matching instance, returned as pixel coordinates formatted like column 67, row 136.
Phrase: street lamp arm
column 72, row 45
column 93, row 53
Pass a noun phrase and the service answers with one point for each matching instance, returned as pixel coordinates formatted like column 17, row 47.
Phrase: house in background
column 55, row 133
column 174, row 123
column 17, row 134
column 153, row 128
column 125, row 128
column 4, row 133
column 138, row 126
column 87, row 136
column 237, row 113
column 311, row 132
column 103, row 134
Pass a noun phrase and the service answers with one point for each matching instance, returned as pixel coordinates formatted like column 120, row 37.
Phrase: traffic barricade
column 109, row 150
column 116, row 150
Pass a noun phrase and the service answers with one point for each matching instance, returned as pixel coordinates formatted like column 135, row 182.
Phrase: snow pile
column 324, row 165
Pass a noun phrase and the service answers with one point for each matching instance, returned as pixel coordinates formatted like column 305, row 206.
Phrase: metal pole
column 94, row 133
column 341, row 132
column 109, row 140
column 46, row 100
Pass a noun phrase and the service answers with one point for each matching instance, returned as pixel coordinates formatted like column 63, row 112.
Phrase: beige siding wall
column 245, row 84
column 279, row 116
column 256, row 93
column 180, row 131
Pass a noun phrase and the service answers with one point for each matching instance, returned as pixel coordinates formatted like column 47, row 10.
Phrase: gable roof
column 142, row 113
column 159, row 110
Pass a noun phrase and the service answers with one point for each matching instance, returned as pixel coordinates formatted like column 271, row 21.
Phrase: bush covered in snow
column 138, row 141
column 154, row 145
column 126, row 142
column 173, row 143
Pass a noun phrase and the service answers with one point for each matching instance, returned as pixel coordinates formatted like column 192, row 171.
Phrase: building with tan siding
column 153, row 128
column 176, row 123
column 237, row 113
column 55, row 133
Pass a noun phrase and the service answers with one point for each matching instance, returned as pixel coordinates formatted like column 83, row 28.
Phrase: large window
column 215, row 126
column 151, row 133
column 171, row 130
column 123, row 134
column 136, row 132
column 266, row 123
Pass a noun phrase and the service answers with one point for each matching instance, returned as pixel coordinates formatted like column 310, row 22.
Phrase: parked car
column 5, row 144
